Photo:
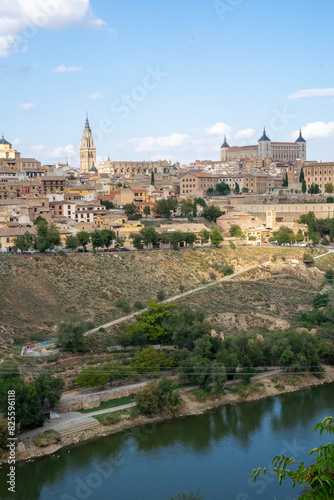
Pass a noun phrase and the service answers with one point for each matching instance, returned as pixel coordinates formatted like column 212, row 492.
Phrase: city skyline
column 164, row 81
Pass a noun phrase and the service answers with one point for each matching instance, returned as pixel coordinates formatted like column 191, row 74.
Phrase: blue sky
column 165, row 79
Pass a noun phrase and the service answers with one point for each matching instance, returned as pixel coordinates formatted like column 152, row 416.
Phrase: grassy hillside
column 39, row 291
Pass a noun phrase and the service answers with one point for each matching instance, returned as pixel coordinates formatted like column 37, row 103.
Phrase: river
column 214, row 453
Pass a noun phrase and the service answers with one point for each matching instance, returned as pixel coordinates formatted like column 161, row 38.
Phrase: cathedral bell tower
column 87, row 150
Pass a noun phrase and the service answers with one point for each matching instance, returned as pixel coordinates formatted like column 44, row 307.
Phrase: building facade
column 265, row 148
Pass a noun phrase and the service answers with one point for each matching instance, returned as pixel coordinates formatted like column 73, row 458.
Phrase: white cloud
column 95, row 95
column 316, row 130
column 247, row 133
column 27, row 106
column 20, row 20
column 219, row 128
column 16, row 141
column 306, row 93
column 66, row 69
column 172, row 141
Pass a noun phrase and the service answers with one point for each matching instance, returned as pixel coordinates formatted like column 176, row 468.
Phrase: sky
column 165, row 80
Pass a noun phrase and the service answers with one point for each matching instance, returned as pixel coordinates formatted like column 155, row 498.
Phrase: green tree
column 152, row 322
column 149, row 235
column 317, row 480
column 284, row 235
column 147, row 210
column 301, row 175
column 131, row 210
column 329, row 188
column 72, row 242
column 152, row 178
column 212, row 213
column 187, row 208
column 166, row 206
column 223, row 189
column 304, row 186
column 285, row 181
column 28, row 410
column 97, row 238
column 200, row 201
column 237, row 188
column 49, row 387
column 48, row 235
column 24, row 242
column 83, row 238
column 236, row 231
column 107, row 203
column 245, row 190
column 299, row 236
column 314, row 189
column 93, row 377
column 205, row 236
column 216, row 237
column 210, row 192
column 108, row 236
column 150, row 360
column 70, row 335
column 158, row 397
column 196, row 369
column 136, row 240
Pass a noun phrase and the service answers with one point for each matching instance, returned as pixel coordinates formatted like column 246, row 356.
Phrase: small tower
column 87, row 150
column 223, row 149
column 302, row 146
column 264, row 146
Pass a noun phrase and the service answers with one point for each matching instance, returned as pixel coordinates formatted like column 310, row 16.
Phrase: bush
column 308, row 256
column 213, row 276
column 109, row 418
column 232, row 245
column 329, row 275
column 320, row 300
column 161, row 295
column 227, row 269
column 46, row 438
column 122, row 304
column 138, row 305
column 325, row 242
column 61, row 252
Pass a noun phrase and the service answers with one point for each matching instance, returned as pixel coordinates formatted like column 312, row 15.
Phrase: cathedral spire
column 87, row 127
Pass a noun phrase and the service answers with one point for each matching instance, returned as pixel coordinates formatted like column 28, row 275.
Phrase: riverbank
column 264, row 387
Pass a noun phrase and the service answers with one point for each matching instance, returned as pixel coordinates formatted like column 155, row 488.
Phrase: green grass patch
column 112, row 403
column 109, row 418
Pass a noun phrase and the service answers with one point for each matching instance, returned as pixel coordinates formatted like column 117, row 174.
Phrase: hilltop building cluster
column 253, row 177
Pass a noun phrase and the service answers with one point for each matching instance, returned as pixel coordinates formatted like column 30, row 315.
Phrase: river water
column 214, row 453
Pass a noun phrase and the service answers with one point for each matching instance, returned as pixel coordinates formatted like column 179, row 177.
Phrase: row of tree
column 150, row 236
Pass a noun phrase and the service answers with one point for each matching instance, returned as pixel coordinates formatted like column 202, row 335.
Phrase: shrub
column 138, row 305
column 227, row 269
column 181, row 288
column 161, row 295
column 320, row 300
column 61, row 252
column 329, row 275
column 46, row 438
column 122, row 304
column 36, row 258
column 109, row 418
column 232, row 245
column 213, row 276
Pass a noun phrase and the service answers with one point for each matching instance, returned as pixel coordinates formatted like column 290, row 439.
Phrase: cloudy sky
column 165, row 79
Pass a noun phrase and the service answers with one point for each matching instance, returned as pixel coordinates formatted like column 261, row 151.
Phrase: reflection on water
column 217, row 450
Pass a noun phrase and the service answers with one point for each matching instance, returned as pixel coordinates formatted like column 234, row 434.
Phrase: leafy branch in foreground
column 317, row 479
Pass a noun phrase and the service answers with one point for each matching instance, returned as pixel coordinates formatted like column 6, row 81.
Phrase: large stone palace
column 265, row 148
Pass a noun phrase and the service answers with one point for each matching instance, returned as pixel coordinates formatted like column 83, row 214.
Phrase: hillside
column 39, row 291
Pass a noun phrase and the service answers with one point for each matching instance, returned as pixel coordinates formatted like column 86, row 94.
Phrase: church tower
column 264, row 146
column 302, row 146
column 87, row 150
column 223, row 149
